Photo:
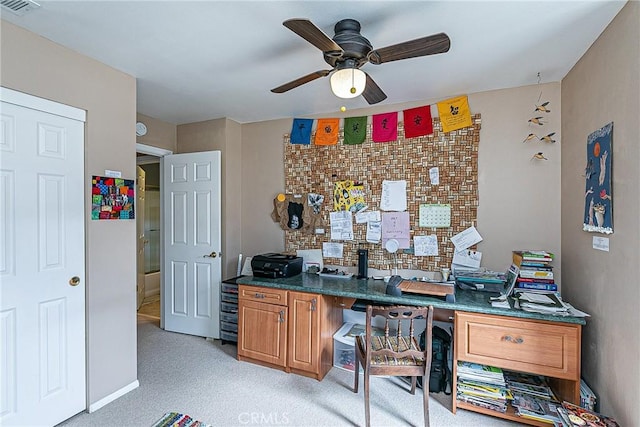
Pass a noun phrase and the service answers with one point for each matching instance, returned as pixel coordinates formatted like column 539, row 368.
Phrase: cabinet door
column 262, row 332
column 304, row 335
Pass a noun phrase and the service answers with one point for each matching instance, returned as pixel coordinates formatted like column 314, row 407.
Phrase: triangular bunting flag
column 327, row 132
column 417, row 122
column 454, row 113
column 355, row 130
column 301, row 131
column 385, row 127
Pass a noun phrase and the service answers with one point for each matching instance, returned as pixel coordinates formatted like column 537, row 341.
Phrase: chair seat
column 393, row 344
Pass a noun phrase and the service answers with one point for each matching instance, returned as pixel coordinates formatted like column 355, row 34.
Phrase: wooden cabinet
column 262, row 326
column 544, row 348
column 287, row 330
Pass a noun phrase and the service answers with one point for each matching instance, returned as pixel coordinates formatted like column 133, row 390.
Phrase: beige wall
column 508, row 178
column 159, row 133
column 36, row 66
column 604, row 87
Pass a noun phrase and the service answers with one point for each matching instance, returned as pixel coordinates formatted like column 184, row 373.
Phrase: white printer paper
column 394, row 196
column 341, row 225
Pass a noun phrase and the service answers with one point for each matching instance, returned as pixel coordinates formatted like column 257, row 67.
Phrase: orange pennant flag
column 327, row 132
column 454, row 113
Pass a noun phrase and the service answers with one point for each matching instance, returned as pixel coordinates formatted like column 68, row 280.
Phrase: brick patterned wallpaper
column 311, row 168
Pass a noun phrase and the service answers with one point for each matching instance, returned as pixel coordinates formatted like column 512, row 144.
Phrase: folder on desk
column 427, row 288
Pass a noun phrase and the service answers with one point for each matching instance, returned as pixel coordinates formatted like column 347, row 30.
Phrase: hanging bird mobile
column 530, row 137
column 547, row 138
column 536, row 120
column 539, row 156
column 543, row 107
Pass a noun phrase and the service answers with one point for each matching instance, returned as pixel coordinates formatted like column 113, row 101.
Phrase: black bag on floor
column 440, row 374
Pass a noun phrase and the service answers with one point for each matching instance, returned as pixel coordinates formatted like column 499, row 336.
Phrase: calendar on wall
column 435, row 215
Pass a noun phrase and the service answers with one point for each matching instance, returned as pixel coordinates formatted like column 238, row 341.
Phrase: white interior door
column 140, row 206
column 42, row 289
column 191, row 267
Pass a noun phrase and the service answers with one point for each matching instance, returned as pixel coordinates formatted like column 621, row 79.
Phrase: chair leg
column 367, row 412
column 425, row 398
column 357, row 375
column 413, row 385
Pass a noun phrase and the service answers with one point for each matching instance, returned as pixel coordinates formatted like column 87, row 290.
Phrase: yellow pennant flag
column 327, row 132
column 454, row 113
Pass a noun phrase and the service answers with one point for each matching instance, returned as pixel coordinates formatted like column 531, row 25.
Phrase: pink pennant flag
column 385, row 127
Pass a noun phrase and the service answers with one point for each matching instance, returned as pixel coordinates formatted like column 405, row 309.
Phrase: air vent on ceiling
column 18, row 7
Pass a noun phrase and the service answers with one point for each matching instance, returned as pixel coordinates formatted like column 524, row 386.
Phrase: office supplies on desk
column 439, row 289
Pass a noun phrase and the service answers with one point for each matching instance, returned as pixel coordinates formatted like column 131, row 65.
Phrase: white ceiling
column 201, row 60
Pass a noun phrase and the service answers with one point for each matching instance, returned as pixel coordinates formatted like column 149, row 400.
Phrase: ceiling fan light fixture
column 348, row 82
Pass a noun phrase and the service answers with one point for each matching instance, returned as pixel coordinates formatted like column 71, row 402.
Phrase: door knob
column 213, row 254
column 74, row 281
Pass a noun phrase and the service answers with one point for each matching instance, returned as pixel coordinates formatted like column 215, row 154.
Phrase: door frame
column 153, row 155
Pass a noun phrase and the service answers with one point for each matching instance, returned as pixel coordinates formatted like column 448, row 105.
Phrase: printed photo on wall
column 598, row 197
column 112, row 198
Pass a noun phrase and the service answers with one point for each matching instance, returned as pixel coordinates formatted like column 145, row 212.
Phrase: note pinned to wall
column 332, row 250
column 425, row 245
column 363, row 217
column 467, row 258
column 434, row 176
column 394, row 196
column 341, row 225
column 466, row 238
column 395, row 225
column 435, row 215
column 374, row 231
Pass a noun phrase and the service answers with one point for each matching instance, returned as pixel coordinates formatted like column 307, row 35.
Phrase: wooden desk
column 511, row 339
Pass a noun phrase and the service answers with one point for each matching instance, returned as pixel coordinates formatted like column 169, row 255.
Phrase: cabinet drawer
column 539, row 347
column 266, row 295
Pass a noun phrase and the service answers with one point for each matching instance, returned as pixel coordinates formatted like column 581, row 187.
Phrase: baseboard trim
column 113, row 396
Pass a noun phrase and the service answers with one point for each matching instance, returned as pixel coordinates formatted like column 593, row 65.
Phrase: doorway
column 149, row 230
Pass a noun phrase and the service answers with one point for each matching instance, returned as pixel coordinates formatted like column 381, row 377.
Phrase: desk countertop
column 374, row 290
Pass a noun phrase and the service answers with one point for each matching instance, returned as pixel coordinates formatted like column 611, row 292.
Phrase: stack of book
column 483, row 386
column 536, row 271
column 532, row 397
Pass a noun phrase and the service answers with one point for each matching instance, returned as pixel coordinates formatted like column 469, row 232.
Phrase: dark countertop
column 374, row 290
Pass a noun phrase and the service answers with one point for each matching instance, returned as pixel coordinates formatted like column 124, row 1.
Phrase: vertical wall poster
column 598, row 197
column 112, row 198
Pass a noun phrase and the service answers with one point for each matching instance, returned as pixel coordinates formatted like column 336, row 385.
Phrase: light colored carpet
column 202, row 378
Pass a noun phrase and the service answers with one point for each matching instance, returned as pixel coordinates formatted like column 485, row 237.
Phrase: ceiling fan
column 349, row 50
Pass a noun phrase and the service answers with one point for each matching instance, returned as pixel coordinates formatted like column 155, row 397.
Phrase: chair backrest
column 400, row 320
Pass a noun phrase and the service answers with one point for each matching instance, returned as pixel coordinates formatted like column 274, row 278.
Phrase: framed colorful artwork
column 112, row 198
column 598, row 196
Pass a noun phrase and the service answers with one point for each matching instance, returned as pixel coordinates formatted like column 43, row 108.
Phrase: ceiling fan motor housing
column 355, row 46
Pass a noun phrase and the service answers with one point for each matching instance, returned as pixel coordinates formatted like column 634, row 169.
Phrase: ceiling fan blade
column 314, row 35
column 430, row 45
column 372, row 92
column 300, row 81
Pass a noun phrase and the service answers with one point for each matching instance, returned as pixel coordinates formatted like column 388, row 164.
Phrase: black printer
column 273, row 265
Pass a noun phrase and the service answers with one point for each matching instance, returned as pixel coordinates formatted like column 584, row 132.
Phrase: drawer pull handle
column 509, row 338
column 259, row 295
column 313, row 304
column 281, row 316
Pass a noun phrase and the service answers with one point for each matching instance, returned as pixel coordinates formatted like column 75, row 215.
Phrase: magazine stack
column 482, row 385
column 573, row 416
column 532, row 397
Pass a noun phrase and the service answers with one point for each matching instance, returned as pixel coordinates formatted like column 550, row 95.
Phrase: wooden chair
column 395, row 354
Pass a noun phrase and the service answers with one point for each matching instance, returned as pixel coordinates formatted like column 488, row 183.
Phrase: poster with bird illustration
column 598, row 197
